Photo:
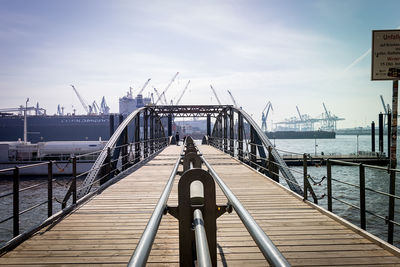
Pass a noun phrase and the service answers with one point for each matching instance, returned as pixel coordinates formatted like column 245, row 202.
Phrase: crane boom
column 158, row 96
column 298, row 112
column 233, row 99
column 144, row 86
column 215, row 93
column 383, row 104
column 326, row 111
column 83, row 102
column 166, row 89
column 269, row 108
column 183, row 92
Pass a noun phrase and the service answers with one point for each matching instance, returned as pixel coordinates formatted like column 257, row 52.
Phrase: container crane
column 144, row 86
column 298, row 112
column 264, row 116
column 215, row 93
column 87, row 108
column 233, row 99
column 183, row 92
column 166, row 89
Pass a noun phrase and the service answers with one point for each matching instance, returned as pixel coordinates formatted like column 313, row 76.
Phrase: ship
column 41, row 127
column 301, row 135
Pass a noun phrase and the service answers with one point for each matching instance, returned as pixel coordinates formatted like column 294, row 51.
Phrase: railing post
column 146, row 133
column 253, row 148
column 225, row 131
column 109, row 163
column 137, row 138
column 74, row 180
column 240, row 136
column 16, row 202
column 50, row 189
column 151, row 132
column 231, row 133
column 305, row 177
column 329, row 183
column 391, row 206
column 362, row 197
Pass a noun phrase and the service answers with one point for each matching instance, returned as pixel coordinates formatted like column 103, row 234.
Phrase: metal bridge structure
column 230, row 201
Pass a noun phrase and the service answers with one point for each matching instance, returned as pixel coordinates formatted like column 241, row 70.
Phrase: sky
column 302, row 53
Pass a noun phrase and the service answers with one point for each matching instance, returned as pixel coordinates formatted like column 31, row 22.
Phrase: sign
column 385, row 54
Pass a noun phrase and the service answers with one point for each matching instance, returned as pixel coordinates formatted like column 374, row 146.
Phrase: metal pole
column 50, row 189
column 208, row 124
column 253, row 147
column 74, row 180
column 240, row 136
column 231, row 132
column 146, row 133
column 329, row 182
column 362, row 197
column 393, row 161
column 225, row 131
column 202, row 251
column 389, row 132
column 16, row 202
column 267, row 247
column 373, row 136
column 380, row 133
column 305, row 192
column 169, row 124
column 111, row 124
column 143, row 248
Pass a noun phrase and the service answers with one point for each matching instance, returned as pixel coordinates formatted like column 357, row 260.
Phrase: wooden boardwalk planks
column 105, row 231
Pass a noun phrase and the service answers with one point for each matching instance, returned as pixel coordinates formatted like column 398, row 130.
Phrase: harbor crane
column 87, row 108
column 183, row 92
column 264, row 116
column 298, row 112
column 144, row 86
column 103, row 106
column 166, row 89
column 386, row 108
column 96, row 108
column 215, row 93
column 158, row 97
column 233, row 99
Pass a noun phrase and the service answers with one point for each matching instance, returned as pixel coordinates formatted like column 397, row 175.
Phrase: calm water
column 376, row 179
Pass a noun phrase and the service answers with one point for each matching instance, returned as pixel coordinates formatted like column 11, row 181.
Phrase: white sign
column 385, row 54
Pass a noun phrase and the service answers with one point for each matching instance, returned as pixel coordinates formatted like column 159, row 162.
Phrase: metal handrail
column 264, row 243
column 202, row 251
column 143, row 248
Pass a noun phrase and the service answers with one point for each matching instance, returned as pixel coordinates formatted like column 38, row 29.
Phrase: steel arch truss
column 248, row 143
column 119, row 153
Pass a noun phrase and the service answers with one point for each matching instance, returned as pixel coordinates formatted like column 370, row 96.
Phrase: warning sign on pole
column 385, row 55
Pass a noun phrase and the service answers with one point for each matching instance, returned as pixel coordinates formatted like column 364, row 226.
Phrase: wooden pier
column 105, row 230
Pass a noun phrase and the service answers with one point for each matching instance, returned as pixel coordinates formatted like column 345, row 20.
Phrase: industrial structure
column 304, row 122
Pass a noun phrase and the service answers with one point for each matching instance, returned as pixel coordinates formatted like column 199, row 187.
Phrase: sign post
column 386, row 66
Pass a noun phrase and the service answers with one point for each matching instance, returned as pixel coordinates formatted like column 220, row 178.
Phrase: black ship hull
column 55, row 128
column 301, row 135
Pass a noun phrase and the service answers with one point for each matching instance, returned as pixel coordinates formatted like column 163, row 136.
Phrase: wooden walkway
column 105, row 231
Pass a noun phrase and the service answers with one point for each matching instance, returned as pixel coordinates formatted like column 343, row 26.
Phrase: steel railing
column 143, row 248
column 267, row 247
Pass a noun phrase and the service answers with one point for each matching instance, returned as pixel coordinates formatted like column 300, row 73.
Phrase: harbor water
column 343, row 144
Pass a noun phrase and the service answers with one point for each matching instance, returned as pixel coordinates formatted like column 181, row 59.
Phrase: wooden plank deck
column 105, row 231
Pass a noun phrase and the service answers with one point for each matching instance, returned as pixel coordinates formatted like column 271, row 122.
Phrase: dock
column 105, row 230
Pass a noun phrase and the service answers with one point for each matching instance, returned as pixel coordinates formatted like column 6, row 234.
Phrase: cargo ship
column 301, row 135
column 59, row 127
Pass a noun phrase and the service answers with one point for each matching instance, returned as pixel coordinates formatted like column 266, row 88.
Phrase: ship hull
column 301, row 135
column 55, row 128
